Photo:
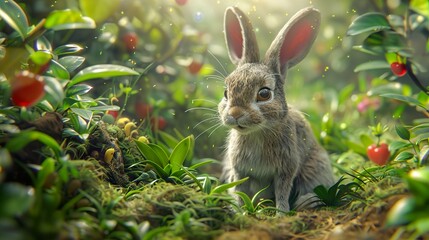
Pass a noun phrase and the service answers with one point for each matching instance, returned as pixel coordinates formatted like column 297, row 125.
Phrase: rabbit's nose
column 235, row 112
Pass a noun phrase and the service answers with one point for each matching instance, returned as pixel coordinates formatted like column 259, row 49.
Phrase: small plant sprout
column 337, row 195
column 256, row 204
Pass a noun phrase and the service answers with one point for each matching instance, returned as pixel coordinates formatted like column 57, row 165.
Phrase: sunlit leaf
column 404, row 156
column 67, row 49
column 71, row 63
column 150, row 154
column 369, row 22
column 68, row 19
column 247, row 202
column 43, row 44
column 178, row 156
column 226, row 186
column 99, row 10
column 14, row 16
column 57, row 70
column 78, row 123
column 78, row 89
column 372, row 65
column 105, row 108
column 169, row 139
column 40, row 57
column 420, row 6
column 101, row 71
column 424, row 155
column 109, row 33
column 84, row 113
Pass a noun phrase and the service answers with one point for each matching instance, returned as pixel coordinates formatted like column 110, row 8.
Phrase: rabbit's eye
column 225, row 94
column 264, row 94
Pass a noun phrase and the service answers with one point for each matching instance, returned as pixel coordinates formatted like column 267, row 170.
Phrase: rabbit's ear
column 293, row 41
column 240, row 37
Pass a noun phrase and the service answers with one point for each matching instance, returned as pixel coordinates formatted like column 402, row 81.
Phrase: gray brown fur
column 269, row 142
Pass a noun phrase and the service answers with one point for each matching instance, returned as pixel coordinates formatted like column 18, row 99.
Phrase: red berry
column 398, row 69
column 27, row 89
column 195, row 67
column 142, row 109
column 378, row 154
column 130, row 40
column 113, row 113
column 181, row 2
column 158, row 123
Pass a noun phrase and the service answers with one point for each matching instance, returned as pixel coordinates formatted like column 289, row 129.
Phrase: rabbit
column 269, row 141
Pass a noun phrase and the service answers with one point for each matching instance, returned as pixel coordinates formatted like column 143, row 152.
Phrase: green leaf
column 420, row 6
column 397, row 145
column 71, row 63
column 14, row 16
column 372, row 65
column 206, row 185
column 57, row 70
column 99, row 10
column 421, row 175
column 54, row 91
column 321, row 192
column 84, row 113
column 247, row 201
column 422, row 137
column 79, row 89
column 226, row 186
column 67, row 49
column 160, row 153
column 101, row 71
column 21, row 140
column 40, row 57
column 78, row 123
column 366, row 140
column 105, row 108
column 47, row 167
column 152, row 153
column 402, row 132
column 368, row 22
column 168, row 169
column 202, row 163
column 256, row 196
column 387, row 41
column 68, row 19
column 15, row 199
column 169, row 139
column 404, row 156
column 424, row 155
column 43, row 44
column 178, row 156
column 407, row 99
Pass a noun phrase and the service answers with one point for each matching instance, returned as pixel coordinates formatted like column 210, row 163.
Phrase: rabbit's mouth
column 241, row 127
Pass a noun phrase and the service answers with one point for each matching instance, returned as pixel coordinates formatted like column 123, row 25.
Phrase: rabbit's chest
column 254, row 158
